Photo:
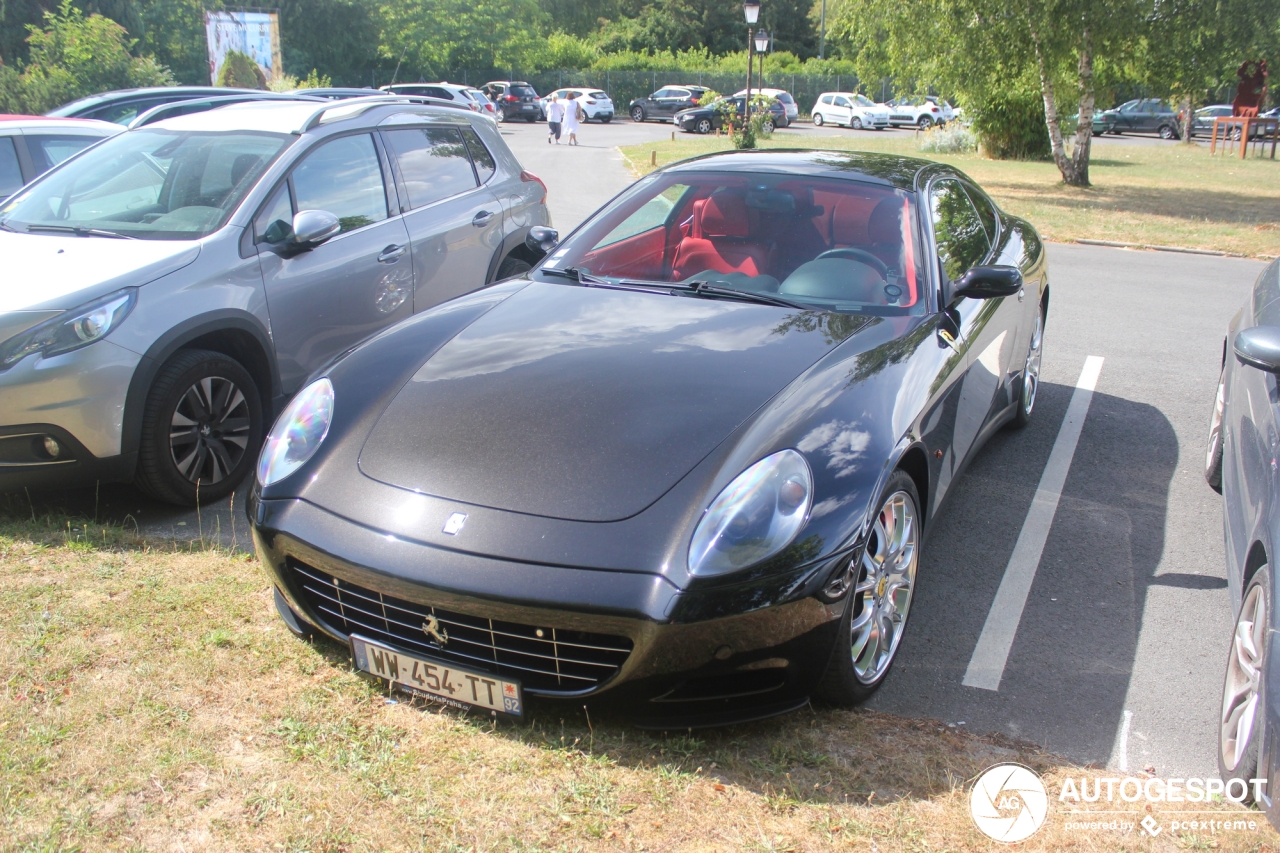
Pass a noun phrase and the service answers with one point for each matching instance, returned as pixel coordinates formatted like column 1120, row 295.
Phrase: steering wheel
column 859, row 255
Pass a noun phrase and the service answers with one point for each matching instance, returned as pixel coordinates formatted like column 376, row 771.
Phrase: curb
column 1114, row 244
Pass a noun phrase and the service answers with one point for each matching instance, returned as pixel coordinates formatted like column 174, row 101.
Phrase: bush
column 953, row 138
column 241, row 72
column 288, row 83
column 1011, row 126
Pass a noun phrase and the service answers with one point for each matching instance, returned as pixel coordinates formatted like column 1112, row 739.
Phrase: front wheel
column 1213, row 453
column 511, row 267
column 855, row 123
column 1243, row 697
column 201, row 429
column 703, row 126
column 1029, row 381
column 818, row 119
column 882, row 581
column 637, row 113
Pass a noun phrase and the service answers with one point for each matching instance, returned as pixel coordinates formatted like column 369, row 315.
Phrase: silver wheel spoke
column 884, row 588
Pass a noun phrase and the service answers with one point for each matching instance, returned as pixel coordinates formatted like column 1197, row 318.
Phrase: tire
column 818, row 119
column 857, row 669
column 501, row 117
column 1167, row 132
column 1236, row 133
column 855, row 123
column 637, row 114
column 530, row 119
column 202, row 426
column 703, row 126
column 1243, row 689
column 1213, row 450
column 769, row 126
column 606, row 119
column 924, row 122
column 511, row 267
column 1029, row 381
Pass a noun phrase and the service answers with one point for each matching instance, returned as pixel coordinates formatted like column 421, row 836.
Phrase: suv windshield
column 152, row 184
column 831, row 243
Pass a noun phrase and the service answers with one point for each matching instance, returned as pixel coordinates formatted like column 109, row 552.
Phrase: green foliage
column 1011, row 126
column 288, row 83
column 73, row 56
column 429, row 38
column 339, row 37
column 240, row 71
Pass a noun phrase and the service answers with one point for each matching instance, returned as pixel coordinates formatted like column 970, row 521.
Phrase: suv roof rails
column 199, row 105
column 352, row 107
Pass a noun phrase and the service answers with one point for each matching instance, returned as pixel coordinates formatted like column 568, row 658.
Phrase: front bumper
column 669, row 658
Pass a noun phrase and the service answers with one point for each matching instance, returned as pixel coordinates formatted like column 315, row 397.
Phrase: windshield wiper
column 79, row 231
column 702, row 287
column 5, row 226
column 586, row 279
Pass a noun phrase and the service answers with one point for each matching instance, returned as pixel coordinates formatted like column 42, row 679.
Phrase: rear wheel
column 924, row 123
column 1213, row 453
column 1167, row 132
column 605, row 119
column 818, row 119
column 1243, row 698
column 530, row 119
column 855, row 123
column 201, row 429
column 882, row 582
column 769, row 126
column 637, row 113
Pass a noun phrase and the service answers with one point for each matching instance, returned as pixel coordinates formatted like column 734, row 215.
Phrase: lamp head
column 751, row 8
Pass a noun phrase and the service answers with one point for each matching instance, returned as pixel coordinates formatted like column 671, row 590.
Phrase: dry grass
column 1158, row 195
column 152, row 701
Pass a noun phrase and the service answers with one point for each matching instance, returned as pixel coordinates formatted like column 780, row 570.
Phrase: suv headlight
column 70, row 330
column 754, row 517
column 297, row 433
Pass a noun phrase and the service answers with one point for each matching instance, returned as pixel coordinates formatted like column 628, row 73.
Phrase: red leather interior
column 718, row 239
column 640, row 256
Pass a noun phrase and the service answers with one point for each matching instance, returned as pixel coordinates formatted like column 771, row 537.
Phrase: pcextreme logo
column 1009, row 802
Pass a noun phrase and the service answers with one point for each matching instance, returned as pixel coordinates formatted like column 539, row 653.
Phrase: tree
column 338, row 37
column 240, row 71
column 430, row 38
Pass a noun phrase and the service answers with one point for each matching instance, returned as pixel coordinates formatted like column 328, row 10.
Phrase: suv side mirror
column 542, row 239
column 1259, row 347
column 987, row 283
column 313, row 227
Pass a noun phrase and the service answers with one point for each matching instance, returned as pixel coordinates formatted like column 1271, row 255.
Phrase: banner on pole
column 253, row 33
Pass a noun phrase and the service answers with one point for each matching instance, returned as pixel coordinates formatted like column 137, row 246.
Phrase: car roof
column 131, row 94
column 75, row 125
column 889, row 169
column 300, row 116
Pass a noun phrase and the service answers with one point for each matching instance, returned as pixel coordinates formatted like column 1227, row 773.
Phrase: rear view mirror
column 313, row 227
column 1259, row 347
column 987, row 283
column 542, row 239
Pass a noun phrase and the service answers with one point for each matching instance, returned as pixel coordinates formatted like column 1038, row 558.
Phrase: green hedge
column 1011, row 126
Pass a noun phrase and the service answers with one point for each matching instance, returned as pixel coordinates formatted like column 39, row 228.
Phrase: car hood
column 585, row 403
column 52, row 272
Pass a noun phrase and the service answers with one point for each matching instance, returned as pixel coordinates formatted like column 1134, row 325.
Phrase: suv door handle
column 482, row 218
column 391, row 254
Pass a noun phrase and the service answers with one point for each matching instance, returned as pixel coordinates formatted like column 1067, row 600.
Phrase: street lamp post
column 751, row 9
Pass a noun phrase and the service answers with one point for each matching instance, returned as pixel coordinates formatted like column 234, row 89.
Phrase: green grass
column 1157, row 195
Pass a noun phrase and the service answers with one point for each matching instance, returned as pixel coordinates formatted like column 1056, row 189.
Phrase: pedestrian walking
column 573, row 116
column 555, row 118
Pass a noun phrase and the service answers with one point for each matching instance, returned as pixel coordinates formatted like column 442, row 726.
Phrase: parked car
column 514, row 99
column 124, row 105
column 663, row 104
column 849, row 109
column 441, row 91
column 336, row 93
column 32, row 145
column 783, row 96
column 710, row 117
column 261, row 240
column 923, row 112
column 1141, row 115
column 482, row 100
column 596, row 104
column 1238, row 463
column 524, row 493
column 199, row 105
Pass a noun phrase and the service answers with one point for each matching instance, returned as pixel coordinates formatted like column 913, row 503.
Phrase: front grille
column 551, row 660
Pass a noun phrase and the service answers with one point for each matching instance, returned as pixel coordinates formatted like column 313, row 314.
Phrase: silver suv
column 166, row 291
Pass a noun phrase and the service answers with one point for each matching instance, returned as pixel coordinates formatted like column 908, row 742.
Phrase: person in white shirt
column 555, row 116
column 573, row 114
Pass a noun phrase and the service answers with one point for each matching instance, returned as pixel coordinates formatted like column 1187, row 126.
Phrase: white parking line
column 986, row 667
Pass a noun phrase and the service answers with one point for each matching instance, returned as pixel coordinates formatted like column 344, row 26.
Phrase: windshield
column 831, row 243
column 152, row 184
column 863, row 101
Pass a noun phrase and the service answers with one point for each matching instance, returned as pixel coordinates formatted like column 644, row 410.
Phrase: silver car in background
column 166, row 291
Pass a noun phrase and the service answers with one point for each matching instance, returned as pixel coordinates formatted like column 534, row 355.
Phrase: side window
column 10, row 174
column 48, row 150
column 344, row 177
column 433, row 163
column 842, row 102
column 826, row 99
column 485, row 165
column 962, row 241
column 986, row 211
column 275, row 223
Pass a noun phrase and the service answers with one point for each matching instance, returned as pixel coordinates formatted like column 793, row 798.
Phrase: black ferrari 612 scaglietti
column 683, row 466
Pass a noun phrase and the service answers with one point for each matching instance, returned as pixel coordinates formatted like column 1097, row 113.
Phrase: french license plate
column 438, row 682
column 527, row 107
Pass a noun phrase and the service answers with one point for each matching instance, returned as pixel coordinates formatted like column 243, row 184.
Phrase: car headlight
column 754, row 517
column 70, row 330
column 297, row 433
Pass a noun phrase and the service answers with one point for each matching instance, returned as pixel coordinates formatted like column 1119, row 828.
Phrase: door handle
column 391, row 254
column 482, row 218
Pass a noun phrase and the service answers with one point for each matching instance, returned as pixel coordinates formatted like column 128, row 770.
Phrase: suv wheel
column 1167, row 132
column 637, row 113
column 201, row 429
column 511, row 267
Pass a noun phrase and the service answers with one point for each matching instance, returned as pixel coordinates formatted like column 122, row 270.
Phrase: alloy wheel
column 704, row 125
column 925, row 123
column 818, row 119
column 884, row 589
column 637, row 114
column 209, row 431
column 1240, row 695
column 1031, row 373
column 855, row 123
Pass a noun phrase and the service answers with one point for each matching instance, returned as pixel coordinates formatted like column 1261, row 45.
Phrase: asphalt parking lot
column 1119, row 649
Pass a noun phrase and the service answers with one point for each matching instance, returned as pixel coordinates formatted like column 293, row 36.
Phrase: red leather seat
column 884, row 232
column 718, row 239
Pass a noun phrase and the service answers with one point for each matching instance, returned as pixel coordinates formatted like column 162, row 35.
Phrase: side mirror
column 1259, row 347
column 313, row 227
column 987, row 283
column 542, row 239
